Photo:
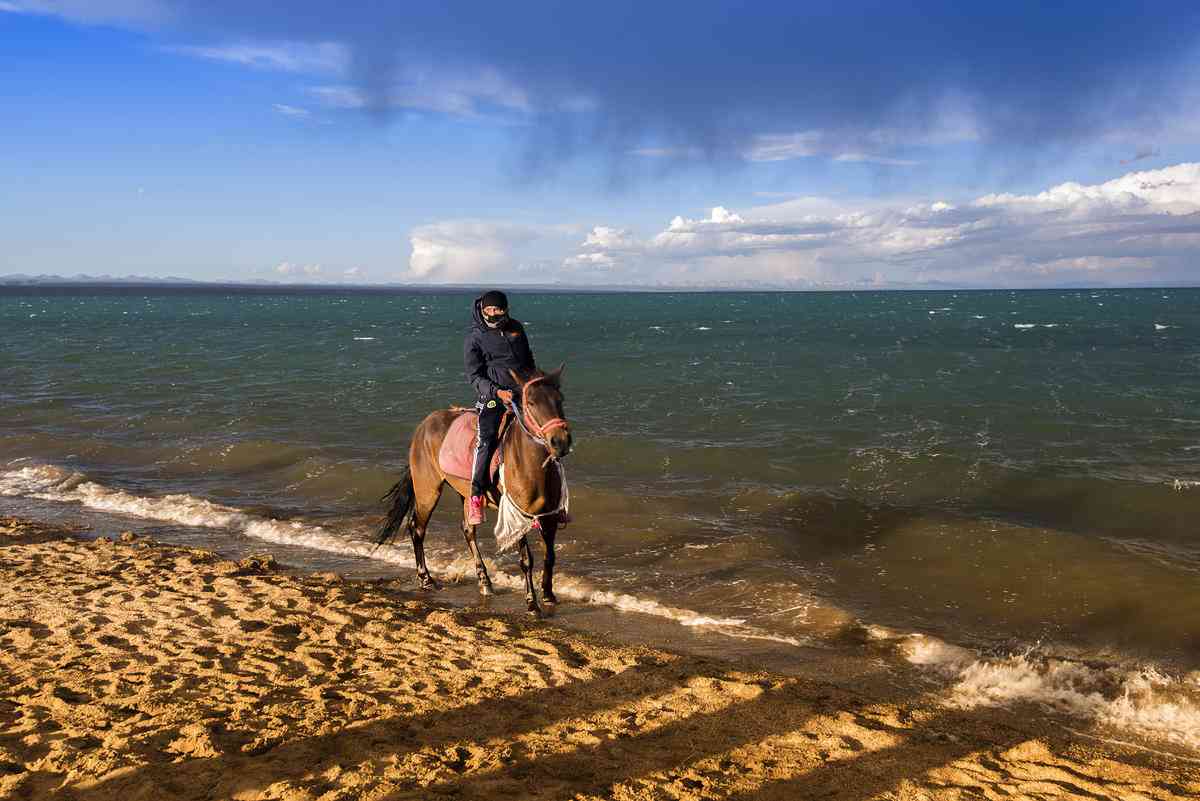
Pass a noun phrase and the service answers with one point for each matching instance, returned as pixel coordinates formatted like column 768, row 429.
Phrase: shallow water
column 996, row 469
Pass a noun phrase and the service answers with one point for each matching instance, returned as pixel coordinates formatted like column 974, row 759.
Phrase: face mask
column 495, row 320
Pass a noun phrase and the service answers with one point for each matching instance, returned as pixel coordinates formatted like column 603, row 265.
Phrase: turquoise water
column 994, row 468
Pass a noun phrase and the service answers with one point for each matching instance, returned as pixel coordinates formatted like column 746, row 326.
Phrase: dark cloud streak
column 707, row 77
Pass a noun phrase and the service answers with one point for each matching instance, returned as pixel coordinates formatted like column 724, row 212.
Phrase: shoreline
column 140, row 670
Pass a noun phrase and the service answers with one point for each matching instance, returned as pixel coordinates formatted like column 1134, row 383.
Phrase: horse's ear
column 555, row 376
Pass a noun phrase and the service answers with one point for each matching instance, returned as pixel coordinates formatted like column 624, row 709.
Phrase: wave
column 1139, row 699
column 52, row 483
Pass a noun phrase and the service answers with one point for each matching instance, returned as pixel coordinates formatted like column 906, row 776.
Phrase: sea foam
column 1144, row 700
column 51, row 483
column 1139, row 699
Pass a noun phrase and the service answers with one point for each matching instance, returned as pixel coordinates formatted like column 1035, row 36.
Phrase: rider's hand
column 504, row 395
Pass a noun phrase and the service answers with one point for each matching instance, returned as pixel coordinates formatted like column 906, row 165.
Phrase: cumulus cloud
column 1139, row 227
column 466, row 250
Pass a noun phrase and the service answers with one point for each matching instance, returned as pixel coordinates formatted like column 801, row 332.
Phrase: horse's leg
column 485, row 583
column 531, row 602
column 427, row 494
column 549, row 526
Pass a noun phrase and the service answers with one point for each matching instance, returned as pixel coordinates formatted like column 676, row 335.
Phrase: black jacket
column 490, row 353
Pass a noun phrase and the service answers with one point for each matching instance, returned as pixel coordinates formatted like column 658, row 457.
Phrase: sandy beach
column 134, row 670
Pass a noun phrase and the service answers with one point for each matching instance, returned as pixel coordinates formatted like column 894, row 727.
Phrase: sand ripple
column 137, row 671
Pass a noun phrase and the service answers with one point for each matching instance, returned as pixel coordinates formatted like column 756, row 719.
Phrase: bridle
column 537, row 431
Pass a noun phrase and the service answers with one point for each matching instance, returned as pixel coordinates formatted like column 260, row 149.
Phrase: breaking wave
column 1140, row 699
column 51, row 483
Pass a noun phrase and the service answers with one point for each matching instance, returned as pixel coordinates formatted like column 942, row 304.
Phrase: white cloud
column 466, row 95
column 808, row 144
column 91, row 12
column 783, row 147
column 465, row 250
column 609, row 238
column 322, row 58
column 866, row 158
column 1138, row 227
column 298, row 270
column 291, row 111
column 803, row 144
column 1173, row 189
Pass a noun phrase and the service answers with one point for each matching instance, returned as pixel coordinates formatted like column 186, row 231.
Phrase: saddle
column 458, row 448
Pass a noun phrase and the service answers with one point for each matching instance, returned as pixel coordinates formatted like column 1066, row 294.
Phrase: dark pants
column 487, row 432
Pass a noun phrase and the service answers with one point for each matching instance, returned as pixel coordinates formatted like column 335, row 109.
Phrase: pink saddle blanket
column 458, row 448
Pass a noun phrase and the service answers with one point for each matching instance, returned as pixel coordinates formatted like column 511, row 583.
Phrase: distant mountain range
column 20, row 279
column 99, row 281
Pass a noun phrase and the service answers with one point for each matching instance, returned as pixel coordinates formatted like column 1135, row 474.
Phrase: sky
column 795, row 145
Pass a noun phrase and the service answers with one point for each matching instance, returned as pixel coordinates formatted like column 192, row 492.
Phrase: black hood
column 491, row 353
column 477, row 317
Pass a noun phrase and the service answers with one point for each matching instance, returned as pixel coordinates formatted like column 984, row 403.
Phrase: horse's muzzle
column 560, row 443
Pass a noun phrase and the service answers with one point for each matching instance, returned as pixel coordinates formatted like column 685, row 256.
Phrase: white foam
column 48, row 482
column 1142, row 700
column 703, row 328
column 1161, row 327
column 979, row 316
column 364, row 339
column 1023, row 326
column 932, row 652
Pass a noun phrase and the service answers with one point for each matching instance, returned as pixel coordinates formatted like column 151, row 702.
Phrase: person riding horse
column 494, row 349
column 500, row 367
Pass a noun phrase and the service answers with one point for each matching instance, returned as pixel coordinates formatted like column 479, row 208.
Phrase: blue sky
column 701, row 144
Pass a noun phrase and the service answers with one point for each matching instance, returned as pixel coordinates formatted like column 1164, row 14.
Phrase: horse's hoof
column 549, row 597
column 485, row 588
column 429, row 584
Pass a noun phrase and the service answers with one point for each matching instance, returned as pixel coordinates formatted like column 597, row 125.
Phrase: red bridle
column 536, row 428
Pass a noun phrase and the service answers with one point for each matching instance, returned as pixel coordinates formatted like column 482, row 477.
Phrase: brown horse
column 528, row 448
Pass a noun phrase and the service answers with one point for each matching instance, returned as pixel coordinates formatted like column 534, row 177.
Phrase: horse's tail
column 403, row 498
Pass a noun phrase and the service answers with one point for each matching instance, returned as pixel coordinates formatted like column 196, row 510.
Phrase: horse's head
column 542, row 407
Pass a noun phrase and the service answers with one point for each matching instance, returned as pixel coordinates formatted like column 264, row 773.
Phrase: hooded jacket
column 489, row 353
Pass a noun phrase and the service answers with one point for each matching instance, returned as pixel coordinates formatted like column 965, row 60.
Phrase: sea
column 1001, row 487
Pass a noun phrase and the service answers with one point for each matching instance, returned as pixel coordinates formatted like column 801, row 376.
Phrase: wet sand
column 132, row 670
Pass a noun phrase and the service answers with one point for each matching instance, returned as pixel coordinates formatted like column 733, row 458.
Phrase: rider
column 495, row 345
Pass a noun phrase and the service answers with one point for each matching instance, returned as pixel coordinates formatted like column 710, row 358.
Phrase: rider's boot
column 475, row 512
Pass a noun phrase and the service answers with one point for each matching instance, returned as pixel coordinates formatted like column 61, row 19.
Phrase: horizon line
column 82, row 281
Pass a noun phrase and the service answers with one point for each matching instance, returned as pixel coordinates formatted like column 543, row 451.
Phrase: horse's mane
column 524, row 376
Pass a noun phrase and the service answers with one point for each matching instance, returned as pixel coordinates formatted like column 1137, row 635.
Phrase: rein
column 539, row 430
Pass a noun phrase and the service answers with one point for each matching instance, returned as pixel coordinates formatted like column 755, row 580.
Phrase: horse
column 529, row 445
